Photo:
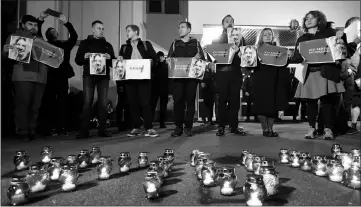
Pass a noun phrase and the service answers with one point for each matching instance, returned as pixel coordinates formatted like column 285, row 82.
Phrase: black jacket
column 94, row 45
column 185, row 49
column 160, row 72
column 65, row 70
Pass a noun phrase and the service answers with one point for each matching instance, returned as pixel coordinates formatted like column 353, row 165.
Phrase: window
column 163, row 6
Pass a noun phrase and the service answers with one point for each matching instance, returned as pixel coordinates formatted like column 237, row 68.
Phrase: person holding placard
column 138, row 92
column 184, row 90
column 322, row 81
column 228, row 81
column 271, row 84
column 56, row 91
column 95, row 49
column 29, row 79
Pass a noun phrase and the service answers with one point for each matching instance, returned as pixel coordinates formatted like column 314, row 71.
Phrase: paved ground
column 182, row 188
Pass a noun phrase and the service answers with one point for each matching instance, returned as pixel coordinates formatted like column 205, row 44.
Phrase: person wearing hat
column 29, row 80
column 56, row 91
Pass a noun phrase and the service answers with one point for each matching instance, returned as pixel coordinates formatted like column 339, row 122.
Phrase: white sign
column 137, row 69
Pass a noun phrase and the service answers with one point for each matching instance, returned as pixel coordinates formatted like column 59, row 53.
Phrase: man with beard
column 184, row 90
column 95, row 43
column 228, row 83
column 54, row 108
column 29, row 81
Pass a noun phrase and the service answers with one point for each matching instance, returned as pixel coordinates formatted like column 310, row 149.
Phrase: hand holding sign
column 107, row 56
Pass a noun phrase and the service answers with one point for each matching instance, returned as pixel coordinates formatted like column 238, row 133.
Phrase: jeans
column 28, row 96
column 89, row 84
column 184, row 92
column 138, row 94
column 228, row 87
column 122, row 109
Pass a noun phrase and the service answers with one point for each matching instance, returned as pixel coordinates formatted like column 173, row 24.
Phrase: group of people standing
column 138, row 98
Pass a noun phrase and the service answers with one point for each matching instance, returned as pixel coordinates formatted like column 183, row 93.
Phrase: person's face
column 98, row 30
column 98, row 62
column 130, row 33
column 31, row 27
column 161, row 59
column 236, row 36
column 183, row 30
column 21, row 47
column 248, row 53
column 267, row 36
column 295, row 24
column 340, row 44
column 311, row 21
column 228, row 22
column 54, row 33
column 333, row 26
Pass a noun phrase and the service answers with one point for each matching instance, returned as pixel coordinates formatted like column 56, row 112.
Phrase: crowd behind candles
column 330, row 94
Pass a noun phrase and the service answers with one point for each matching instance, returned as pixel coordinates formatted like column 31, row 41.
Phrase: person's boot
column 177, row 132
column 220, row 131
column 353, row 129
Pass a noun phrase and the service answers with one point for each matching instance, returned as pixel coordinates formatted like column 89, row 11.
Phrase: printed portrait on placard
column 97, row 64
column 248, row 56
column 21, row 50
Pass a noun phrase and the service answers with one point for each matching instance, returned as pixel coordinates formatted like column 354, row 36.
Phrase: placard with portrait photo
column 197, row 69
column 21, row 50
column 118, row 70
column 97, row 64
column 248, row 55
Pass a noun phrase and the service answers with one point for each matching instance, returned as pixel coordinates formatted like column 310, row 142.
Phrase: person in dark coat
column 185, row 90
column 55, row 100
column 322, row 81
column 228, row 81
column 160, row 88
column 270, row 88
column 95, row 43
column 138, row 92
column 122, row 108
column 299, row 102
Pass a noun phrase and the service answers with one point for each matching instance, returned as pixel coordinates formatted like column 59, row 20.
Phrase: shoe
column 238, row 132
column 104, row 134
column 151, row 133
column 311, row 134
column 266, row 134
column 82, row 136
column 177, row 132
column 353, row 129
column 212, row 123
column 188, row 132
column 220, row 131
column 54, row 133
column 273, row 134
column 328, row 134
column 247, row 119
column 134, row 132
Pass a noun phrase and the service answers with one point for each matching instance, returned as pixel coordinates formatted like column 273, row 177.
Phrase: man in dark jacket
column 160, row 88
column 29, row 81
column 95, row 43
column 228, row 78
column 55, row 100
column 247, row 93
column 184, row 90
column 138, row 92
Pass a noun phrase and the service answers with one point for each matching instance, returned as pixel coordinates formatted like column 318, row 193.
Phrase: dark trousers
column 228, row 87
column 326, row 113
column 54, row 106
column 89, row 85
column 209, row 97
column 184, row 92
column 249, row 105
column 122, row 109
column 303, row 104
column 27, row 100
column 139, row 94
column 159, row 91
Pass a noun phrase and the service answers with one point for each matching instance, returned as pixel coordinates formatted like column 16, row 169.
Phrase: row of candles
column 343, row 167
column 67, row 171
column 260, row 184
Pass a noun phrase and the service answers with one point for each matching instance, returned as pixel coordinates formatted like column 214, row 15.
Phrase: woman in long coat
column 271, row 85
